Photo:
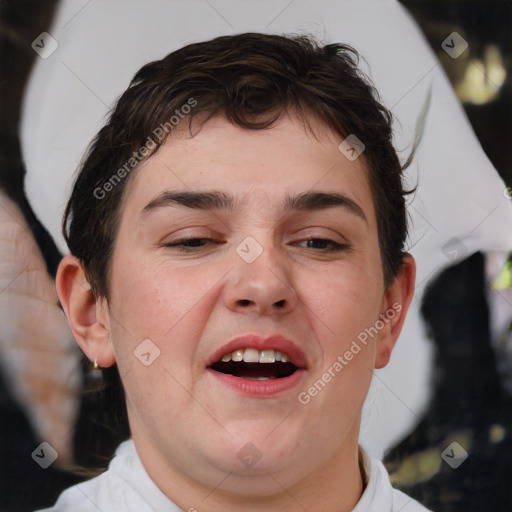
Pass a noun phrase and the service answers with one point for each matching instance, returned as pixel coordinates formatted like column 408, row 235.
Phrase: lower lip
column 260, row 388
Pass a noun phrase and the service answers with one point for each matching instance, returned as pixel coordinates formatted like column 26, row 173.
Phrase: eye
column 190, row 244
column 321, row 243
column 193, row 244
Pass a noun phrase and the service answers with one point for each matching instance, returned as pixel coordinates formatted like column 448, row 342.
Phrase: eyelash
column 179, row 244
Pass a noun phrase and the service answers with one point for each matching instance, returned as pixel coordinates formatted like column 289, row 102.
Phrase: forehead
column 258, row 167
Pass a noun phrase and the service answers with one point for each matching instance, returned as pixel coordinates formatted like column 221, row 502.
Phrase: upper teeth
column 251, row 355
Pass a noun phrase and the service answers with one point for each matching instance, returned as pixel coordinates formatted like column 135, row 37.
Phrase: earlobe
column 87, row 315
column 395, row 305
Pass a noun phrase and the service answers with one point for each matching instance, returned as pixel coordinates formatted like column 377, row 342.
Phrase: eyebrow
column 215, row 200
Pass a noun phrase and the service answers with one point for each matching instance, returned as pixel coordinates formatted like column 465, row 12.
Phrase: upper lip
column 258, row 342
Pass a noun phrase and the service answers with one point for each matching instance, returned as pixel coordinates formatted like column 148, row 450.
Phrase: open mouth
column 252, row 364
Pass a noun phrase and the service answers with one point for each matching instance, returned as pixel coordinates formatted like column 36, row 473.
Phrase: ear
column 87, row 315
column 395, row 304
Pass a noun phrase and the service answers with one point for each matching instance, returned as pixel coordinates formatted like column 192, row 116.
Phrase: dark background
column 469, row 400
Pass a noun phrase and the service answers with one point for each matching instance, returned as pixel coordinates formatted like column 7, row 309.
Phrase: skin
column 187, row 427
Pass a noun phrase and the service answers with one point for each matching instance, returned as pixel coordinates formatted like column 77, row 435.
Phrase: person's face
column 251, row 271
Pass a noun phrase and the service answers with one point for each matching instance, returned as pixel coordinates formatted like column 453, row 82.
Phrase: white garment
column 126, row 487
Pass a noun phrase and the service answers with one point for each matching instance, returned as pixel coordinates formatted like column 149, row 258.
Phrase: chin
column 266, row 478
column 252, row 457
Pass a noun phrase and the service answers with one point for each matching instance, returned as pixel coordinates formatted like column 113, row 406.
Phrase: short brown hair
column 252, row 79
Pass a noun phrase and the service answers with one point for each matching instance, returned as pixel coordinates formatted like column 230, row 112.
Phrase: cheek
column 155, row 328
column 152, row 298
column 345, row 299
column 168, row 306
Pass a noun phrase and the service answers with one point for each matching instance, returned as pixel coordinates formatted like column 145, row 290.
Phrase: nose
column 263, row 286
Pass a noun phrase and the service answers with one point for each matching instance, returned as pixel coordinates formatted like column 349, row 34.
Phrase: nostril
column 281, row 303
column 245, row 302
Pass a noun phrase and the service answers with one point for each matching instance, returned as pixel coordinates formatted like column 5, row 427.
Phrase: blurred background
column 468, row 309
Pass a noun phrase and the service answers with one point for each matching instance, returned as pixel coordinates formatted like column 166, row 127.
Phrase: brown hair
column 252, row 79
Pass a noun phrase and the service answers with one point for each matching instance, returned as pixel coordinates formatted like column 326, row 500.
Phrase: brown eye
column 189, row 244
column 321, row 243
